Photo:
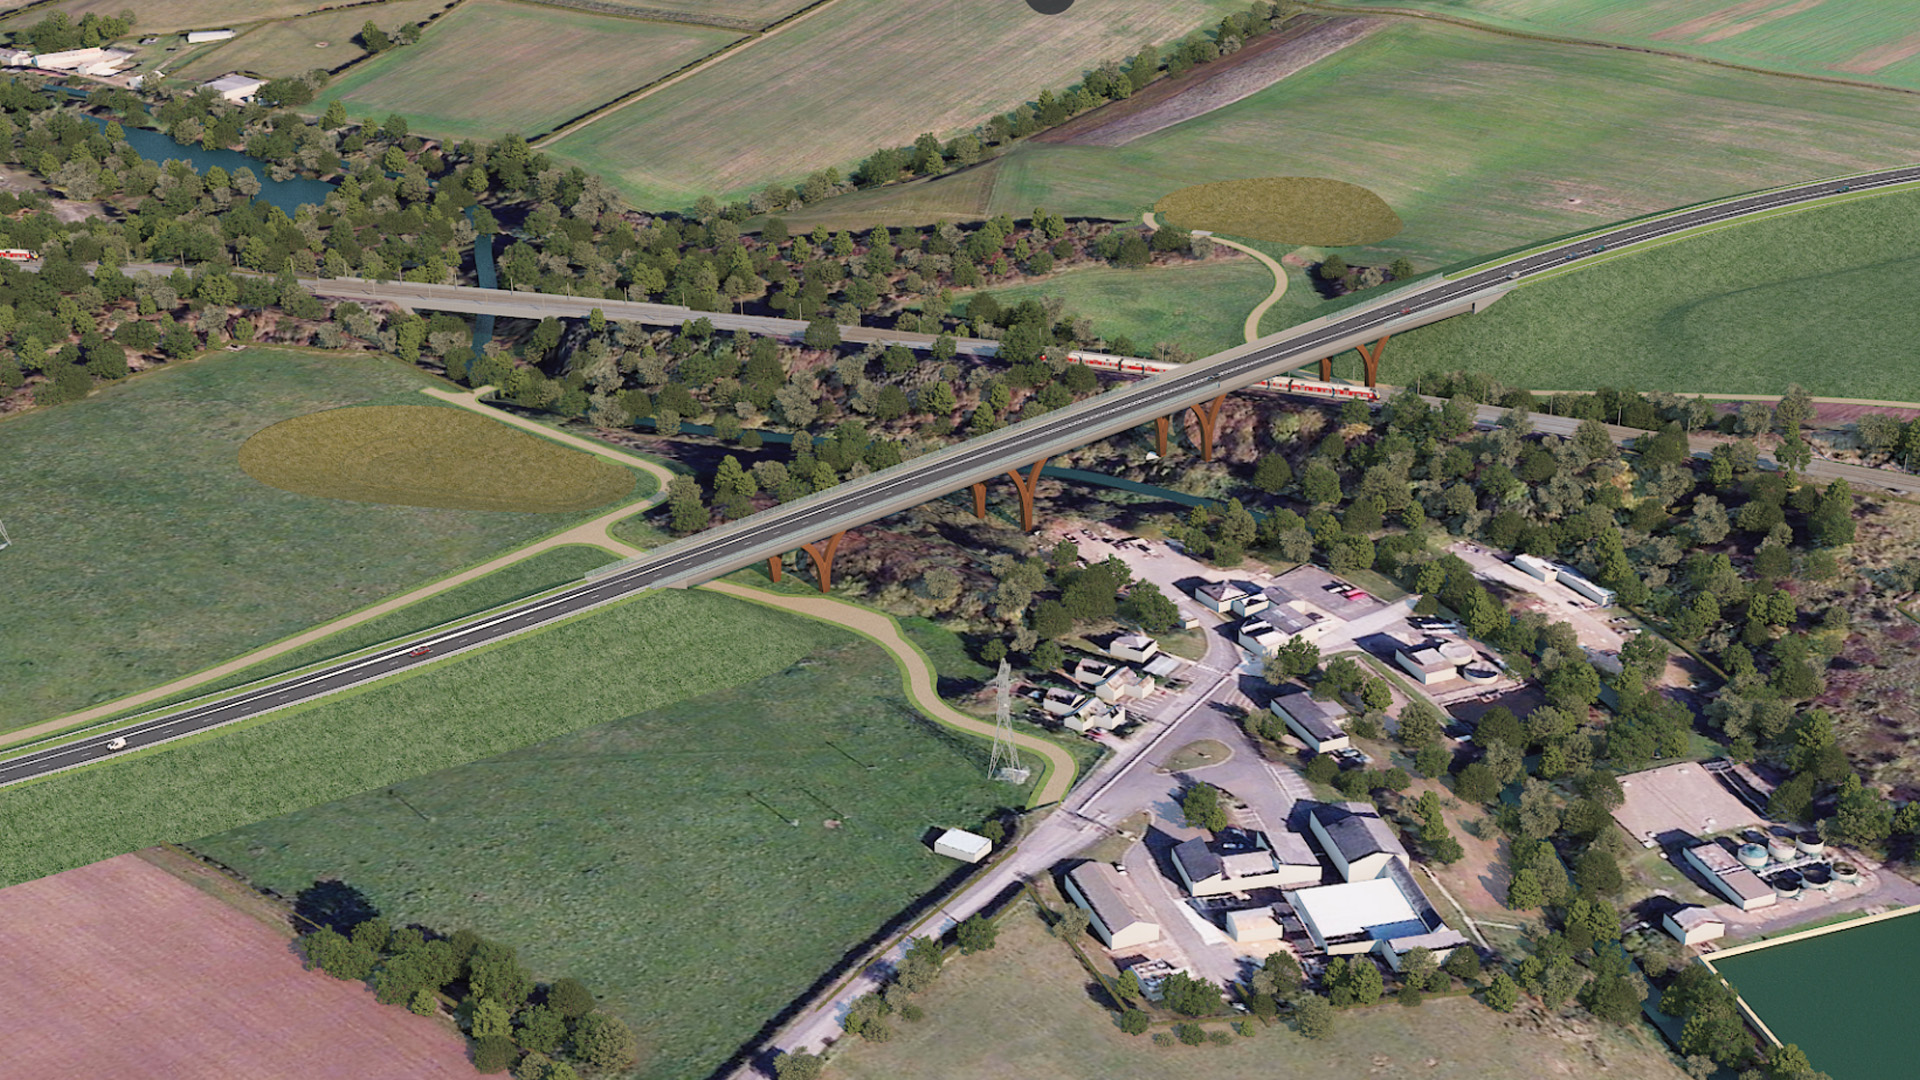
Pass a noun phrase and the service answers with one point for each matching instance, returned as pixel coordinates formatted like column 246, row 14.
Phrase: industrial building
column 235, row 88
column 1387, row 914
column 1361, row 845
column 92, row 61
column 1241, row 861
column 1260, row 637
column 1220, row 596
column 1319, row 724
column 1731, row 877
column 1595, row 593
column 196, row 37
column 1536, row 566
column 1434, row 661
column 1675, row 803
column 1113, row 912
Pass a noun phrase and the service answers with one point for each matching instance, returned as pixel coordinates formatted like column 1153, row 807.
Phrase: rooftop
column 1428, row 658
column 1375, row 907
column 1357, row 830
column 1689, row 917
column 1220, row 592
column 1684, row 798
column 1104, row 889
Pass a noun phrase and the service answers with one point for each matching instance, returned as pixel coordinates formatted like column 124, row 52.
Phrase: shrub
column 1191, row 1034
column 570, row 998
column 604, row 1041
column 1161, row 1038
column 1134, row 1022
column 494, row 1053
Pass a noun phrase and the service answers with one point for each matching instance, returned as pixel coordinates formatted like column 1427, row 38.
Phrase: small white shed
column 963, row 845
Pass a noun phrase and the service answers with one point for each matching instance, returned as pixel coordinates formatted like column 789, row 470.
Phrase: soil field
column 121, row 969
column 1480, row 143
column 860, row 75
column 170, row 16
column 141, row 552
column 653, row 856
column 1199, row 306
column 297, row 46
column 1816, row 297
column 494, row 67
column 1866, row 40
column 1033, row 996
column 747, row 13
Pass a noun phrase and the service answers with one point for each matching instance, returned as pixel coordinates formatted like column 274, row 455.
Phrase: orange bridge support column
column 1372, row 358
column 822, row 555
column 1207, row 415
column 1026, row 485
column 773, row 567
column 1326, row 369
column 980, row 501
column 1160, row 434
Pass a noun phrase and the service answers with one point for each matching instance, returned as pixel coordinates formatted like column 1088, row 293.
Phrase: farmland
column 429, row 455
column 142, row 552
column 653, row 856
column 295, row 46
column 746, row 12
column 1738, row 311
column 860, row 74
column 171, row 16
column 494, row 67
column 1866, row 40
column 648, row 652
column 1478, row 143
column 1032, row 995
column 1198, row 306
column 122, row 969
column 1285, row 210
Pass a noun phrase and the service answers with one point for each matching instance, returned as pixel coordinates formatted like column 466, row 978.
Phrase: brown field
column 292, row 46
column 121, row 969
column 756, row 12
column 1870, row 61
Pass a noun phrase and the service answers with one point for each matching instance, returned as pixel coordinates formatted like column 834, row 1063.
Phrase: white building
column 93, row 61
column 1388, row 915
column 1219, row 596
column 1427, row 664
column 195, row 37
column 1254, row 924
column 1536, row 566
column 1239, row 862
column 1113, row 912
column 15, row 58
column 1260, row 637
column 1729, row 878
column 1133, row 648
column 963, row 845
column 1360, row 844
column 1601, row 596
column 235, row 88
column 1319, row 724
column 1693, row 925
column 1094, row 715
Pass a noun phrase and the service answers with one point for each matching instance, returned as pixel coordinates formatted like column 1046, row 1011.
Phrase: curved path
column 1252, row 327
column 917, row 674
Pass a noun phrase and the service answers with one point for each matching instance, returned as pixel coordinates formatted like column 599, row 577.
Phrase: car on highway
column 420, row 651
column 1513, row 275
column 117, row 744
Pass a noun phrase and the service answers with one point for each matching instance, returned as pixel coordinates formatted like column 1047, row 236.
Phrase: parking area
column 1602, row 631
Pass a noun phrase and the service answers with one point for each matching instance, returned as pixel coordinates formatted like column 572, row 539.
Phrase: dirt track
column 120, row 969
column 1211, row 86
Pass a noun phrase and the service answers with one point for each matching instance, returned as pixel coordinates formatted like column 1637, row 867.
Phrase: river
column 288, row 195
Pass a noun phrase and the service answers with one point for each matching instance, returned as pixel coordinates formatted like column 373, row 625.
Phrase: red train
column 18, row 254
column 1282, row 384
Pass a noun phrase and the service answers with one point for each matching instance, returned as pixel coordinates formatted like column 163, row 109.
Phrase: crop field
column 1482, row 143
column 142, row 552
column 664, row 647
column 1832, row 993
column 1032, row 995
column 1284, row 210
column 1868, row 40
column 1199, row 306
column 494, row 67
column 429, row 455
column 1818, row 297
column 746, row 12
column 653, row 856
column 859, row 75
column 171, row 16
column 122, row 969
column 295, row 46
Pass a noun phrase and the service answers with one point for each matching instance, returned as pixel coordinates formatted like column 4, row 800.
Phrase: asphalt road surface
column 781, row 529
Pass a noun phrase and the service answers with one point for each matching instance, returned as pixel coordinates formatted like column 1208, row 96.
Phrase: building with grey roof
column 1360, row 843
column 1319, row 724
column 1113, row 910
column 1239, row 862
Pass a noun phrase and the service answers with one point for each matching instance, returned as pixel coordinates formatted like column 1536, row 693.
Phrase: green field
column 168, row 16
column 635, row 856
column 141, row 552
column 1480, row 143
column 1023, row 1010
column 495, row 67
column 1821, row 297
column 1201, row 307
column 664, row 647
column 295, row 46
column 754, row 12
column 1867, row 40
column 1835, row 994
column 429, row 455
column 1284, row 210
column 857, row 76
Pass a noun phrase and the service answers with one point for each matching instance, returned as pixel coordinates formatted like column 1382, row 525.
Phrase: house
column 1251, row 604
column 1600, row 596
column 1427, row 663
column 1260, row 637
column 1729, row 878
column 1219, row 596
column 1535, row 566
column 1133, row 648
column 1060, row 701
column 195, row 37
column 1094, row 715
column 1254, row 924
column 1319, row 724
column 235, row 88
column 963, row 845
column 1693, row 925
column 1089, row 672
column 1237, row 862
column 1113, row 911
column 1361, row 845
column 1126, row 684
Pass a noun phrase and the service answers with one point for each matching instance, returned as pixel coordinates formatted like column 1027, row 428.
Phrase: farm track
column 1252, row 327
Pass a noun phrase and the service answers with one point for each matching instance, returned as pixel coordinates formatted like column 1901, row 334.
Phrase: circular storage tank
column 1846, row 872
column 1480, row 676
column 1457, row 651
column 1753, row 856
column 1780, row 849
column 1817, row 876
column 1809, row 843
column 1787, row 884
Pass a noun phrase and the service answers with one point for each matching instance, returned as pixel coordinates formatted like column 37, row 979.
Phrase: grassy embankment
column 1198, row 306
column 653, row 855
column 1818, row 297
column 142, row 552
column 494, row 67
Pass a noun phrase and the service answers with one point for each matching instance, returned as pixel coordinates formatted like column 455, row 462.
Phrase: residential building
column 1094, row 715
column 1133, row 648
column 963, row 845
column 195, row 37
column 1536, row 566
column 1113, row 911
column 1730, row 879
column 1426, row 663
column 1693, row 925
column 1219, row 596
column 1595, row 593
column 1260, row 637
column 235, row 88
column 1125, row 684
column 1238, row 862
column 1319, row 724
column 1361, row 844
column 1060, row 701
column 1089, row 672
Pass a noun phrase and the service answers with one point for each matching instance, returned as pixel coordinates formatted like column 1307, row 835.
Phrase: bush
column 604, row 1041
column 1134, row 1022
column 494, row 1053
column 1221, row 1038
column 1191, row 1034
column 912, row 1013
column 976, row 935
column 570, row 998
column 1161, row 1038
